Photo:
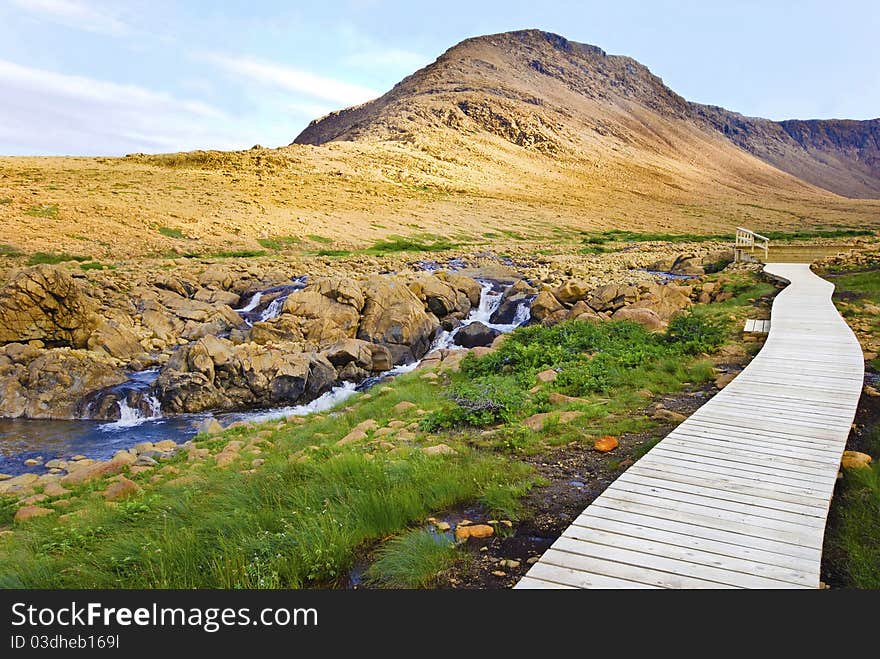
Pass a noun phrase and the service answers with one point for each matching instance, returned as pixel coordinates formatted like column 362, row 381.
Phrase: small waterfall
column 490, row 300
column 273, row 310
column 268, row 304
column 252, row 304
column 325, row 402
column 134, row 416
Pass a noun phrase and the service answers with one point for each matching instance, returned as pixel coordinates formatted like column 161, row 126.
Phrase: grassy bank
column 301, row 501
column 852, row 542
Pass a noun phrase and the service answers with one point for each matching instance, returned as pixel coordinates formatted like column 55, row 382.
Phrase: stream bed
column 141, row 418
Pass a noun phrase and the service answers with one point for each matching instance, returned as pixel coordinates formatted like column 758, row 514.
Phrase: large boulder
column 214, row 373
column 324, row 312
column 115, row 340
column 440, row 297
column 364, row 355
column 474, row 335
column 55, row 383
column 611, row 297
column 394, row 317
column 470, row 287
column 544, row 306
column 645, row 317
column 572, row 291
column 665, row 300
column 688, row 264
column 44, row 303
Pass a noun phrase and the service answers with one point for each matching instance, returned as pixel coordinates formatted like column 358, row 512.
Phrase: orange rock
column 29, row 512
column 473, row 531
column 605, row 444
column 855, row 460
column 122, row 488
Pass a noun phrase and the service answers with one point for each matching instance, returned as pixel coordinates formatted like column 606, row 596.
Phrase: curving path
column 737, row 495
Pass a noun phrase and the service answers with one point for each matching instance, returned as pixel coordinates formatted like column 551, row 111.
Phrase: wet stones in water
column 475, row 335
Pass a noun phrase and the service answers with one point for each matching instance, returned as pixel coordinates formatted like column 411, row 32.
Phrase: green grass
column 413, row 560
column 278, row 243
column 294, row 525
column 9, row 250
column 171, row 232
column 602, row 360
column 852, row 541
column 43, row 210
column 319, row 239
column 300, row 521
column 53, row 258
column 863, row 283
column 616, row 235
column 852, row 544
column 97, row 265
column 403, row 244
column 314, row 506
column 332, row 252
column 811, row 234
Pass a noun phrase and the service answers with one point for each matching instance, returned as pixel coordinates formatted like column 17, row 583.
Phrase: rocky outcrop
column 449, row 297
column 52, row 384
column 43, row 303
column 649, row 303
column 324, row 312
column 115, row 340
column 214, row 373
column 395, row 318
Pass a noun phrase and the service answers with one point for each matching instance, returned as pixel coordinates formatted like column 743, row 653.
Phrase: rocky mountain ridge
column 541, row 91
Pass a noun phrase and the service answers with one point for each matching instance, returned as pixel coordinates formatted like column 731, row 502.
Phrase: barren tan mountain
column 521, row 132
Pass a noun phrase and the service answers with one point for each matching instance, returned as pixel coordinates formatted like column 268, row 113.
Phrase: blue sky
column 98, row 77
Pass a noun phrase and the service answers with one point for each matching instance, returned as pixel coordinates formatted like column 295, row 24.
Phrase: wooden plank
column 693, row 529
column 532, row 583
column 610, row 567
column 728, row 483
column 737, row 571
column 685, row 538
column 795, row 530
column 776, row 480
column 566, row 577
column 756, row 496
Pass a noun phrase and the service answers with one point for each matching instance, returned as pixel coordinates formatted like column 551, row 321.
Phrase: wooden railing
column 746, row 238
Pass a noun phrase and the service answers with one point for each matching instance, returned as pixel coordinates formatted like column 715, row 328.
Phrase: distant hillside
column 540, row 91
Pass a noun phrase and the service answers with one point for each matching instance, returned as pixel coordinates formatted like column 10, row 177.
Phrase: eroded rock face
column 115, row 340
column 324, row 312
column 44, row 303
column 214, row 373
column 394, row 317
column 53, row 384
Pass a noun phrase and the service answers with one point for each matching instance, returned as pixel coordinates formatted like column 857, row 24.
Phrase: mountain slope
column 540, row 91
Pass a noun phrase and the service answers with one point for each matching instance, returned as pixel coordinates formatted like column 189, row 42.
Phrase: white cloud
column 295, row 80
column 309, row 110
column 397, row 60
column 53, row 113
column 76, row 14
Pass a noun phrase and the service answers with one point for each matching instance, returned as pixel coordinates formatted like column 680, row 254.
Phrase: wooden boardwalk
column 737, row 495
